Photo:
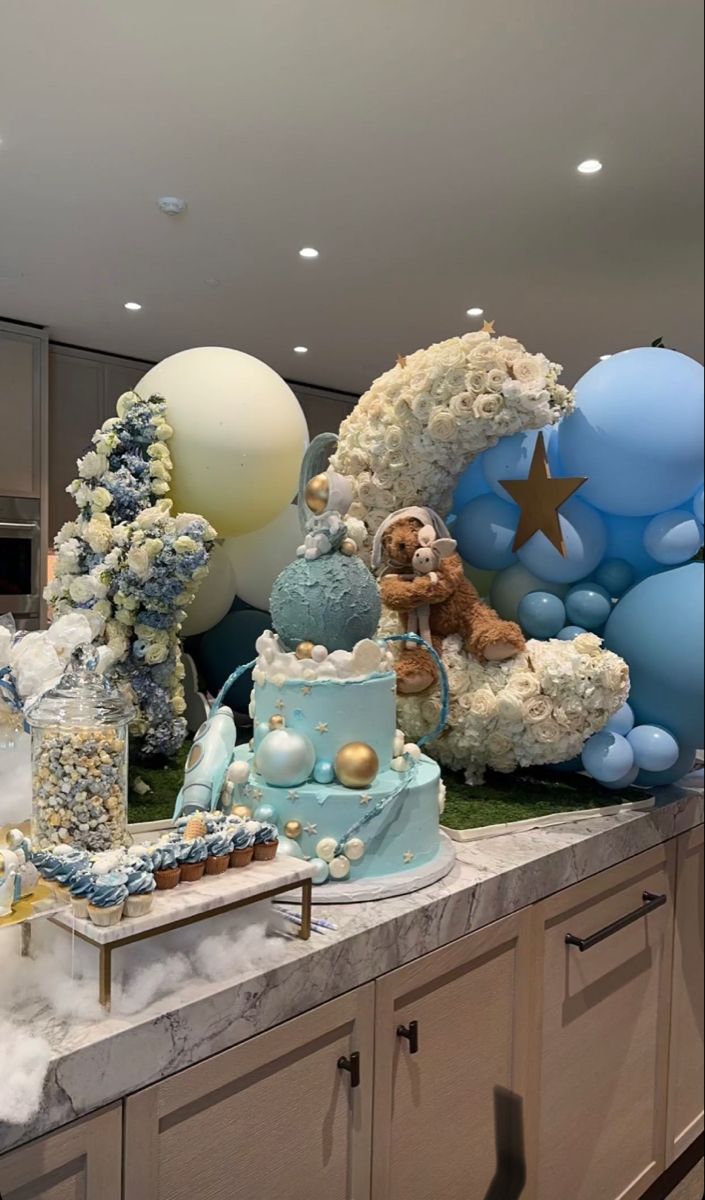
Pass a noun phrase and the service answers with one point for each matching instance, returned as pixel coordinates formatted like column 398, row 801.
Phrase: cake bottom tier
column 403, row 837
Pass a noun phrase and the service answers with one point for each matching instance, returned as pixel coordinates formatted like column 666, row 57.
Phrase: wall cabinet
column 275, row 1117
column 82, row 1161
column 605, row 1032
column 686, row 1083
column 451, row 1080
column 22, row 380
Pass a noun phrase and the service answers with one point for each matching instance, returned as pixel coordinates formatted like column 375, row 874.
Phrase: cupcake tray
column 191, row 902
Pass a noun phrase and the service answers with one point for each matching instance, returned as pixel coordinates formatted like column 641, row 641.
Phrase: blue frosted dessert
column 80, row 889
column 266, row 842
column 244, row 833
column 140, row 885
column 166, row 866
column 219, row 844
column 191, row 856
column 107, row 898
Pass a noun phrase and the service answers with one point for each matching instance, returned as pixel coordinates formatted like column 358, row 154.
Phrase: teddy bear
column 454, row 604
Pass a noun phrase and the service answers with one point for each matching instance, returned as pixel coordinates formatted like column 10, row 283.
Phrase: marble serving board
column 210, row 893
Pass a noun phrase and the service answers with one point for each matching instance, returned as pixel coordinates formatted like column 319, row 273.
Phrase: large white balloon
column 214, row 597
column 258, row 558
column 239, row 436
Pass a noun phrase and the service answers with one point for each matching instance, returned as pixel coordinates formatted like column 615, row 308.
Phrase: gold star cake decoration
column 401, row 361
column 488, row 327
column 539, row 498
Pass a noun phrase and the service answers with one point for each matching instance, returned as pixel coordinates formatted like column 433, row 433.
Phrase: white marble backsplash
column 99, row 1058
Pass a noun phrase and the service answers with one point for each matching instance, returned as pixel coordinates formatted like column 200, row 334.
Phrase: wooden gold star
column 401, row 360
column 488, row 327
column 539, row 497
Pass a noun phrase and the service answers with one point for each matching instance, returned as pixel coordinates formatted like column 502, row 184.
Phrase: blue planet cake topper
column 327, row 596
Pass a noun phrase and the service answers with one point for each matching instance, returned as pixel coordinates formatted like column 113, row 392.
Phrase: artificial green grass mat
column 164, row 783
column 501, row 799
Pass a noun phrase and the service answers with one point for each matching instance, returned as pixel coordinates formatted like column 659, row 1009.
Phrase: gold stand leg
column 105, row 976
column 26, row 939
column 305, row 931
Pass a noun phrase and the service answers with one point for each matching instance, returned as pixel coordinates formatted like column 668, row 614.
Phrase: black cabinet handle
column 651, row 903
column 411, row 1033
column 352, row 1065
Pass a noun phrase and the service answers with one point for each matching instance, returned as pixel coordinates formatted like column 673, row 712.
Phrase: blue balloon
column 589, row 605
column 626, row 780
column 585, row 540
column 485, row 531
column 511, row 585
column 472, row 483
column 622, row 721
column 615, row 575
column 658, row 629
column 607, row 757
column 673, row 537
column 699, row 505
column 541, row 614
column 655, row 749
column 637, row 431
column 569, row 632
column 625, row 540
column 683, row 766
column 511, row 458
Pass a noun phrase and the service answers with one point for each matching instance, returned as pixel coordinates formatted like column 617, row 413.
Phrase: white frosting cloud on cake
column 276, row 665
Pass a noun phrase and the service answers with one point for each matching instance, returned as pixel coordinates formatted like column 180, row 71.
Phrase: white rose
column 546, row 732
column 92, row 465
column 422, row 406
column 160, row 488
column 461, row 406
column 82, row 589
column 524, row 685
column 486, row 406
column 495, row 380
column 138, row 562
column 155, row 654
column 443, row 426
column 68, row 560
column 588, row 643
column 157, row 470
column 393, row 438
column 164, row 432
column 484, row 704
column 530, row 368
column 475, row 339
column 509, row 710
column 99, row 533
column 121, row 534
column 125, row 402
column 536, row 709
column 178, row 705
column 101, row 499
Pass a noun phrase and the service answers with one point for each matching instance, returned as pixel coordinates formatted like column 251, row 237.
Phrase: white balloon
column 239, row 436
column 258, row 558
column 214, row 597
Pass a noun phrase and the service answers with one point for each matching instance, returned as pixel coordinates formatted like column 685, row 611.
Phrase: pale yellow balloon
column 239, row 436
column 258, row 558
column 214, row 597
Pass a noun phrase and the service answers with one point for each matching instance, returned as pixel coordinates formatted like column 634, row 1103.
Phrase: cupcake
column 80, row 889
column 166, row 867
column 243, row 843
column 58, row 866
column 266, row 842
column 140, row 885
column 107, row 898
column 192, row 856
column 219, row 844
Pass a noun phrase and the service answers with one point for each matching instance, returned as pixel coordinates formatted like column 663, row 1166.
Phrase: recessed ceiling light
column 133, row 306
column 604, row 357
column 212, row 282
column 173, row 206
column 300, row 349
column 590, row 166
column 308, row 252
column 476, row 312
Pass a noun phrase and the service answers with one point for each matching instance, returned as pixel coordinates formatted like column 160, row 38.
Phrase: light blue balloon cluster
column 637, row 436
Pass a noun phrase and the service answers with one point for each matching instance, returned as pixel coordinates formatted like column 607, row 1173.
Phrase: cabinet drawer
column 605, row 1032
column 275, row 1117
column 83, row 1160
column 685, row 1083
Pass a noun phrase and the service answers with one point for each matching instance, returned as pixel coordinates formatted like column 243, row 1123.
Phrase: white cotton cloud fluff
column 24, row 1058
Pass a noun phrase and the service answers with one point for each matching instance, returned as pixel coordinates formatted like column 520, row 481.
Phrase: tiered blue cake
column 345, row 788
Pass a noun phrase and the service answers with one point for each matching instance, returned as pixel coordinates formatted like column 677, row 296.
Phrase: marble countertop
column 96, row 1059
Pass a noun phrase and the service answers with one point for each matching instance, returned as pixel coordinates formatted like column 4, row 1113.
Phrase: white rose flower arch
column 407, row 441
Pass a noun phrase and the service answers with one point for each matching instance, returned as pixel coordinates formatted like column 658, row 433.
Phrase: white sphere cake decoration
column 239, row 436
column 339, row 867
column 354, row 849
column 238, row 773
column 326, row 849
column 319, row 654
column 285, row 758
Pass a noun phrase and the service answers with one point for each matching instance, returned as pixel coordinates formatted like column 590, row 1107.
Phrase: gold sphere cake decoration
column 304, row 650
column 293, row 829
column 356, row 765
column 277, row 721
column 348, row 547
column 317, row 494
column 242, row 811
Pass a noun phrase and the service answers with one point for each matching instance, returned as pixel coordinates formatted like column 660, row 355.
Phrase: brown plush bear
column 455, row 606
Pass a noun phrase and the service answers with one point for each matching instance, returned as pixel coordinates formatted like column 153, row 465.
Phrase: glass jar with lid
column 80, row 760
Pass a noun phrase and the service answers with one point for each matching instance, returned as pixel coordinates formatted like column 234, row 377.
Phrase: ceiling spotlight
column 604, row 357
column 476, row 312
column 133, row 306
column 173, row 206
column 308, row 252
column 300, row 349
column 590, row 166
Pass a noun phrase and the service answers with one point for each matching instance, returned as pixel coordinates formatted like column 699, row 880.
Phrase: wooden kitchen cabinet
column 22, row 368
column 605, row 1033
column 274, row 1117
column 449, row 1117
column 685, row 1085
column 84, row 1161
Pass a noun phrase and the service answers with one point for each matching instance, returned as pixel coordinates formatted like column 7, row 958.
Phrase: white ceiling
column 426, row 147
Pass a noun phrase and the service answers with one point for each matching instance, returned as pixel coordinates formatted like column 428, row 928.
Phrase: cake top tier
column 277, row 665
